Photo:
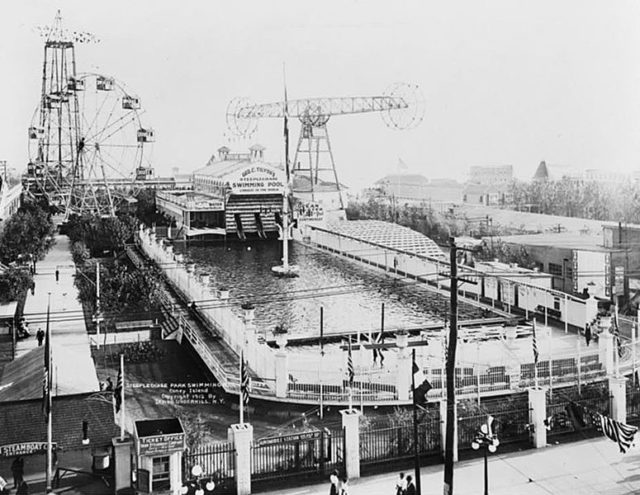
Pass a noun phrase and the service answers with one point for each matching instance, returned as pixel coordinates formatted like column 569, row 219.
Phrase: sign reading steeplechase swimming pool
column 26, row 448
column 257, row 179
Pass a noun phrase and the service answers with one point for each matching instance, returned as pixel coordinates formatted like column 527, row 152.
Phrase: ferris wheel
column 89, row 151
column 87, row 146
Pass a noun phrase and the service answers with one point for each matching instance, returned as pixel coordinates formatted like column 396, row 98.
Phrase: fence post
column 537, row 416
column 351, row 426
column 403, row 370
column 605, row 344
column 618, row 398
column 242, row 436
column 282, row 372
column 443, row 429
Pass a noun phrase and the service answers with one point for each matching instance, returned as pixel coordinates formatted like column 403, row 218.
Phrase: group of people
column 339, row 486
column 405, row 486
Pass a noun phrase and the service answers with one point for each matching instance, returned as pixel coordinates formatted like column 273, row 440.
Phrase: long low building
column 236, row 195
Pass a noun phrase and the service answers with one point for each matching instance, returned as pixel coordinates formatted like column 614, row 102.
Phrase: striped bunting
column 621, row 433
column 536, row 354
column 244, row 381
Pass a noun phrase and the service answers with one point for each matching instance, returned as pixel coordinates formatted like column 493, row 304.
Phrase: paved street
column 586, row 467
column 74, row 368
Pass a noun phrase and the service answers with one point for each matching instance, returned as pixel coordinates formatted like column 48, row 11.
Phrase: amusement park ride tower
column 314, row 167
column 86, row 141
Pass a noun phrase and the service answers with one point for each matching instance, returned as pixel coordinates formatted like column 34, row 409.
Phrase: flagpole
column 240, row 394
column 49, row 404
column 321, row 359
column 535, row 358
column 122, row 406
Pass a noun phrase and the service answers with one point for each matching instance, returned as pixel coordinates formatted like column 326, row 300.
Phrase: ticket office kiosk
column 159, row 446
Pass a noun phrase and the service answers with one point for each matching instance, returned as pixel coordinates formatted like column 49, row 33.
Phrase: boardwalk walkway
column 73, row 364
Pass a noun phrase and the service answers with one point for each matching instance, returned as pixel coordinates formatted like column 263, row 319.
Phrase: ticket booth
column 159, row 446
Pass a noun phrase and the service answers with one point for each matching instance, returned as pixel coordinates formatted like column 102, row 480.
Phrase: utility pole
column 416, row 456
column 451, row 369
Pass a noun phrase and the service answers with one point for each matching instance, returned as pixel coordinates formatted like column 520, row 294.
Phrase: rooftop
column 567, row 240
column 389, row 235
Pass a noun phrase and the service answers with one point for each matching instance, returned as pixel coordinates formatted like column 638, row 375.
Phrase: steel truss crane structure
column 401, row 106
column 86, row 140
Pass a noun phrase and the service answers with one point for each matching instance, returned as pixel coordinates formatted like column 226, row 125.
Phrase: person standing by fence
column 333, row 478
column 401, row 485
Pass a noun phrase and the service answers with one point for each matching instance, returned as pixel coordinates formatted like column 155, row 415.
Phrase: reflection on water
column 351, row 295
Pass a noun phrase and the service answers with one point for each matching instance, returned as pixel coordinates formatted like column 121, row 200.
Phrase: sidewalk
column 75, row 371
column 587, row 467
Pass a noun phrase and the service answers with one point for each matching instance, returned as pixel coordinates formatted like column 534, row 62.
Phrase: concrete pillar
column 242, row 437
column 537, row 415
column 403, row 377
column 122, row 464
column 605, row 346
column 175, row 472
column 282, row 372
column 443, row 429
column 618, row 398
column 351, row 425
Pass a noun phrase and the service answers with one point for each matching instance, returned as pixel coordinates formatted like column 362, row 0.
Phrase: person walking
column 40, row 336
column 333, row 478
column 401, row 485
column 411, row 488
column 587, row 334
column 57, row 275
column 17, row 469
column 23, row 489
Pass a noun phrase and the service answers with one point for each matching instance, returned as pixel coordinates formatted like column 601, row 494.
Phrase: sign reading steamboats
column 27, row 448
column 257, row 179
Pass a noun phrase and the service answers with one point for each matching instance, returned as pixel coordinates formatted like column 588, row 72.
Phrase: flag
column 534, row 341
column 402, row 167
column 350, row 369
column 244, row 381
column 117, row 392
column 621, row 433
column 46, row 381
column 420, row 383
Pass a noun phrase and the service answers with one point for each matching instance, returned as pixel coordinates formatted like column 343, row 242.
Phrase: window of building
column 160, row 478
column 555, row 269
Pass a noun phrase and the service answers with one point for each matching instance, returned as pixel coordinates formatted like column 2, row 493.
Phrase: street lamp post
column 195, row 486
column 485, row 438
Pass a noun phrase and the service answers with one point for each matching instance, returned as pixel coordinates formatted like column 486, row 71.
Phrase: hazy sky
column 505, row 82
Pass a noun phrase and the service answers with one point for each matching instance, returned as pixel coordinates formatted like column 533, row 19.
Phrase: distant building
column 416, row 188
column 546, row 171
column 9, row 199
column 501, row 174
column 488, row 186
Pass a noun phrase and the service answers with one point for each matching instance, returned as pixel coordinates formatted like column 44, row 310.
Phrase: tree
column 100, row 234
column 27, row 235
column 13, row 283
